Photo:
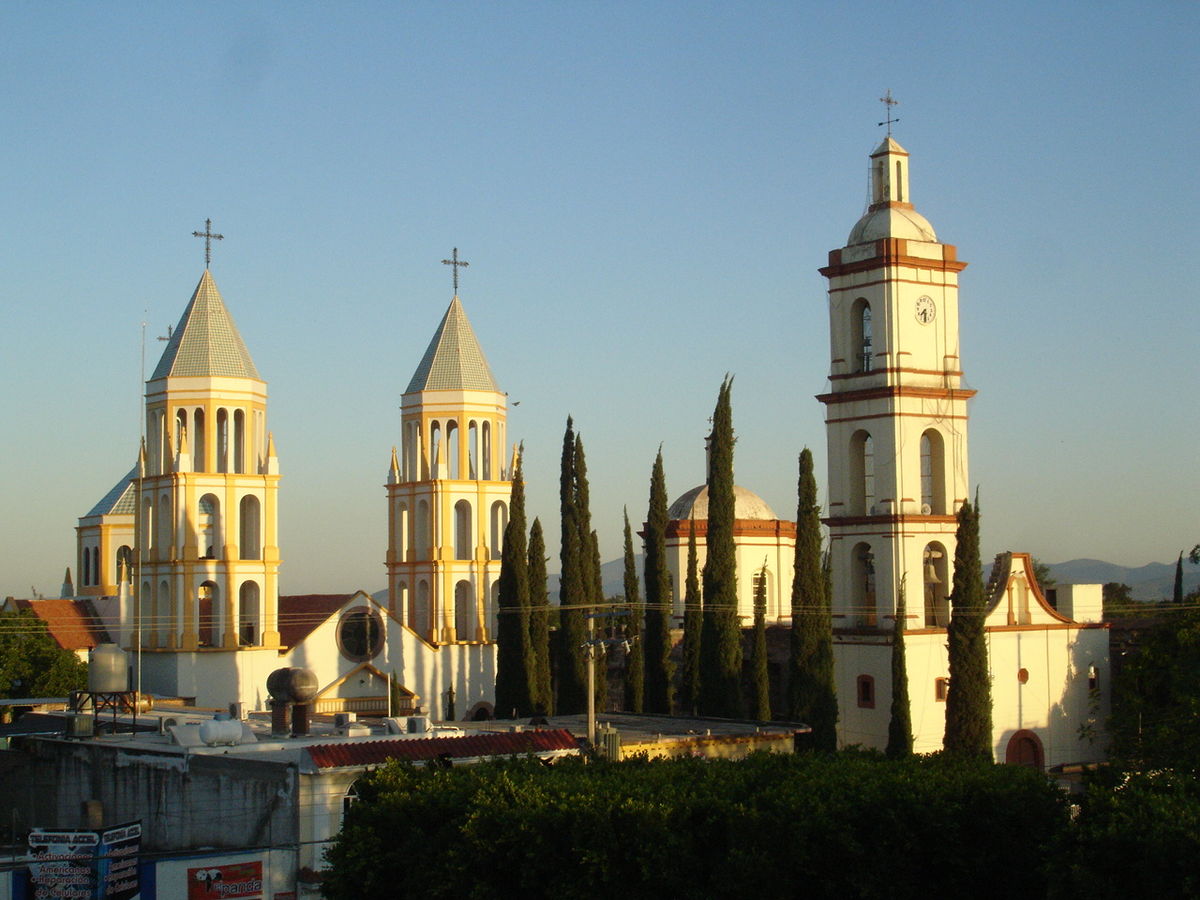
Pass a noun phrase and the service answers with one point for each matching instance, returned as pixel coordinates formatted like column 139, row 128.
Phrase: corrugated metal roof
column 367, row 753
column 206, row 342
column 454, row 360
column 120, row 500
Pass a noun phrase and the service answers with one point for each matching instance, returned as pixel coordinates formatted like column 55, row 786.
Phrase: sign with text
column 85, row 865
column 233, row 880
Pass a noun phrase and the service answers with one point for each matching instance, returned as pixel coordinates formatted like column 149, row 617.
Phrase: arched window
column 402, row 535
column 208, row 601
column 933, row 473
column 208, row 527
column 862, row 586
column 162, row 621
column 412, row 447
column 861, row 336
column 420, row 616
column 493, row 609
column 199, row 444
column 862, row 474
column 249, row 536
column 165, row 541
column 463, row 544
column 899, row 183
column 435, row 451
column 124, row 566
column 937, row 587
column 473, row 451
column 402, row 612
column 147, row 523
column 1025, row 749
column 248, row 614
column 181, row 430
column 239, row 441
column 487, row 451
column 499, row 523
column 464, row 611
column 222, row 440
column 85, row 570
column 421, row 548
column 453, row 446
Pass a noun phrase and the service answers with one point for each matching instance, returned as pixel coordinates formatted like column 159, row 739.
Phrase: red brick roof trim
column 368, row 753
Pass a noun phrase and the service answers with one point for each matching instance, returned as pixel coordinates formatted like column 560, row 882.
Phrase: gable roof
column 118, row 501
column 300, row 614
column 454, row 360
column 206, row 342
column 72, row 623
column 491, row 743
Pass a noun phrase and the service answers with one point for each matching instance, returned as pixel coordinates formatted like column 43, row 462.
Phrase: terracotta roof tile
column 367, row 753
column 300, row 614
column 72, row 623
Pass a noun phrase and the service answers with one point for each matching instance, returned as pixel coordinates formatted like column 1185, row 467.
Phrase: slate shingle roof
column 120, row 500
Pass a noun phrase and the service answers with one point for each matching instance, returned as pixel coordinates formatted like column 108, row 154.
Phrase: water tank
column 221, row 731
column 294, row 685
column 108, row 672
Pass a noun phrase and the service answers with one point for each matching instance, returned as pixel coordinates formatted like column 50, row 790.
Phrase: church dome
column 746, row 505
column 891, row 222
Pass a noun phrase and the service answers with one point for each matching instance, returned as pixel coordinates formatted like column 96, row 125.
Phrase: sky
column 644, row 191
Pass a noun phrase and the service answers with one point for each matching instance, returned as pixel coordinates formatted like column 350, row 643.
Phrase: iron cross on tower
column 209, row 237
column 454, row 261
column 889, row 101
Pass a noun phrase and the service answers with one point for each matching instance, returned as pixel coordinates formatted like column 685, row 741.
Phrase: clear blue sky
column 644, row 192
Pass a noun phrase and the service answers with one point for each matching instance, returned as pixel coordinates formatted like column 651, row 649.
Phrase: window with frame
column 866, row 691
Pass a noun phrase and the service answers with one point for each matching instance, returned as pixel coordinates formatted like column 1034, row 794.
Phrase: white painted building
column 896, row 425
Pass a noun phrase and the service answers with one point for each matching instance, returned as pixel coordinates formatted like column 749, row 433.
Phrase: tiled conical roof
column 206, row 342
column 454, row 360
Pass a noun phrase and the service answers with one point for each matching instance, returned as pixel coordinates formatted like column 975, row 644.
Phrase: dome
column 746, row 505
column 891, row 221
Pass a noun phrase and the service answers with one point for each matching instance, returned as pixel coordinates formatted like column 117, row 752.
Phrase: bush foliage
column 852, row 825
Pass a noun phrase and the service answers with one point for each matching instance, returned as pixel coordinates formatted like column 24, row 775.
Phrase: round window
column 360, row 634
column 1023, row 675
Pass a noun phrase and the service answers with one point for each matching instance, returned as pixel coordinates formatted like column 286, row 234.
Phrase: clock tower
column 895, row 413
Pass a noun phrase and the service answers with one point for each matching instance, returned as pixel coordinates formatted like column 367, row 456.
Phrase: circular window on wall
column 360, row 634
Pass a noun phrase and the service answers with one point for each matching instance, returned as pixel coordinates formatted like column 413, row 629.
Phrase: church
column 181, row 560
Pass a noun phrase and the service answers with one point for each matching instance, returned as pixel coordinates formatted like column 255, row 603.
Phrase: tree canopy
column 31, row 662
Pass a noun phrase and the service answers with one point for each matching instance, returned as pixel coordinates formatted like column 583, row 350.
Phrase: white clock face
column 926, row 309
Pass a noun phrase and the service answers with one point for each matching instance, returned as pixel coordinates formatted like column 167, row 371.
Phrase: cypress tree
column 634, row 669
column 760, row 675
column 572, row 676
column 720, row 643
column 1177, row 595
column 658, row 596
column 593, row 586
column 542, row 690
column 812, row 696
column 689, row 691
column 514, row 650
column 969, row 699
column 900, row 740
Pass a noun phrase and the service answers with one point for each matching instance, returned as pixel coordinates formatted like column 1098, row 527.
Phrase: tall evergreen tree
column 602, row 627
column 969, row 700
column 593, row 585
column 539, row 622
column 721, row 643
column 812, row 695
column 900, row 739
column 634, row 668
column 689, row 688
column 514, row 651
column 658, row 596
column 760, row 673
column 1177, row 595
column 572, row 597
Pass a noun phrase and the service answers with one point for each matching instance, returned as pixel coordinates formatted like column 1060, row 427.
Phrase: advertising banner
column 233, row 880
column 85, row 865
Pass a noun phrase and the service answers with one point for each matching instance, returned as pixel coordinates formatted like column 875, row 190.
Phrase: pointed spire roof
column 121, row 500
column 454, row 360
column 206, row 342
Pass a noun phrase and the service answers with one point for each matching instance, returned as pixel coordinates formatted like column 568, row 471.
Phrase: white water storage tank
column 221, row 731
column 108, row 672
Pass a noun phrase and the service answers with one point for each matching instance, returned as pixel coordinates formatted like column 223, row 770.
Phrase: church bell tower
column 896, row 410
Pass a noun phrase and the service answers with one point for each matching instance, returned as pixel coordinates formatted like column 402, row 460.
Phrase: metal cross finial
column 454, row 261
column 209, row 237
column 890, row 101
